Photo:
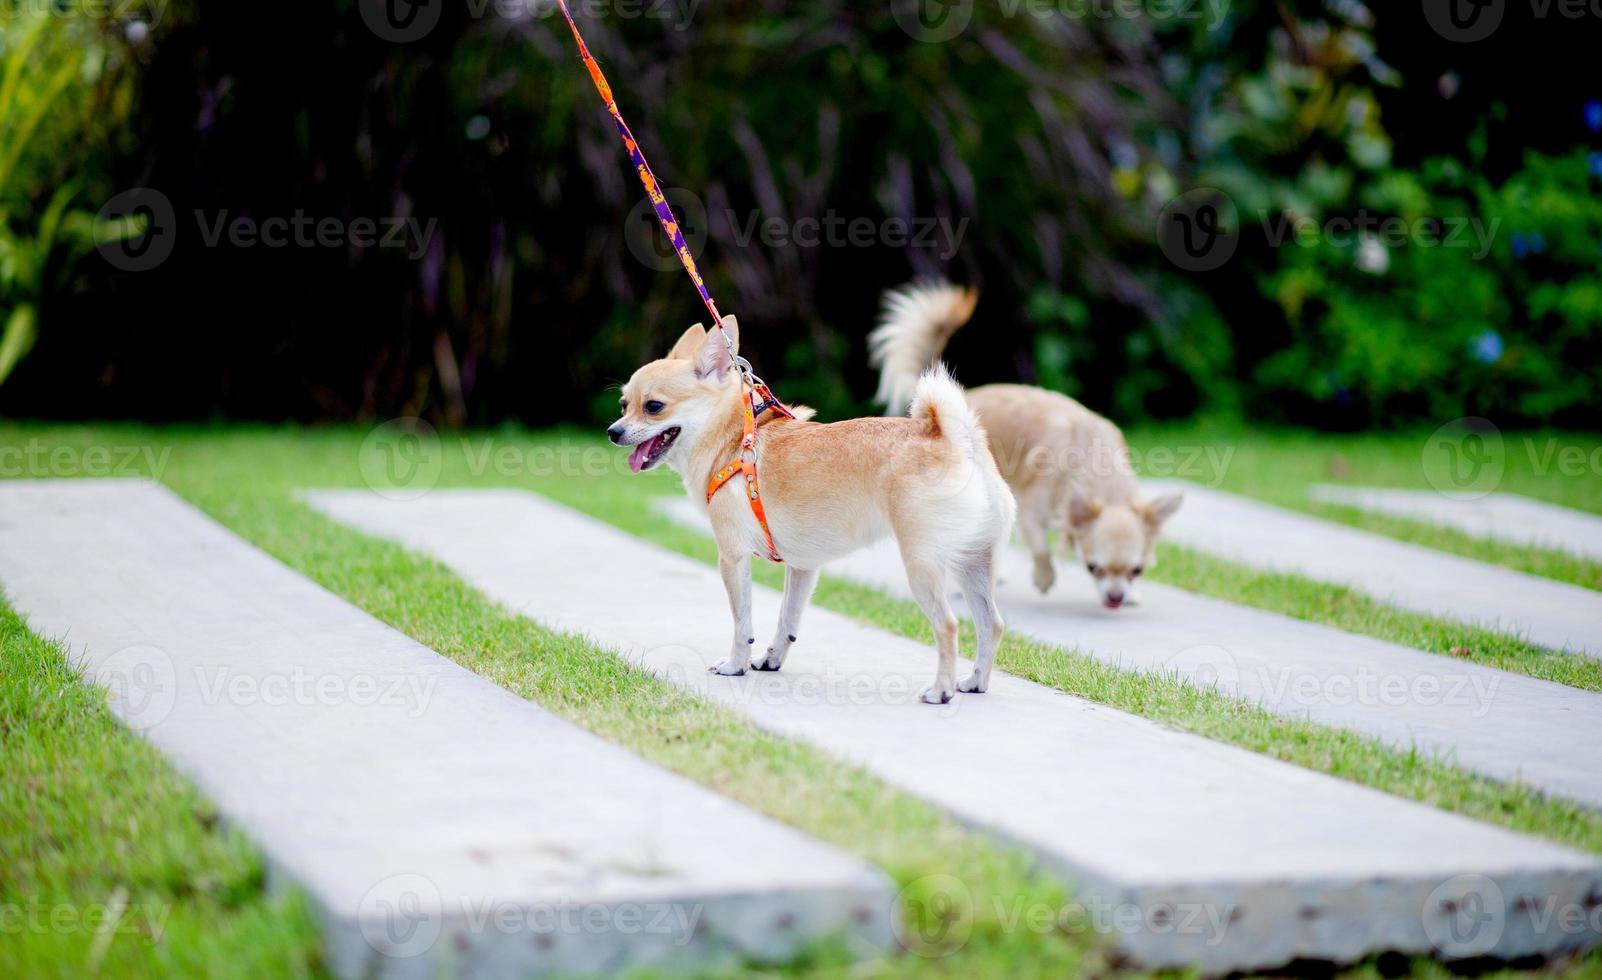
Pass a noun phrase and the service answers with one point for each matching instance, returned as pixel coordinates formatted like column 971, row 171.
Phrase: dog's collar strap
column 745, row 462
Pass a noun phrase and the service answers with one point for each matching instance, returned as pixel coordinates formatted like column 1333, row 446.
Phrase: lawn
column 94, row 818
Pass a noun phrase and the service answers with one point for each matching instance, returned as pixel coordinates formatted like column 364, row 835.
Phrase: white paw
column 973, row 684
column 731, row 667
column 772, row 660
column 936, row 694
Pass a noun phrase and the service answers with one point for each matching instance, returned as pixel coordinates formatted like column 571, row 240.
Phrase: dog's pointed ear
column 1161, row 509
column 714, row 358
column 688, row 344
column 1082, row 511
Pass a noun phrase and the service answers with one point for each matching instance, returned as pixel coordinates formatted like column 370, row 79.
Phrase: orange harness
column 745, row 460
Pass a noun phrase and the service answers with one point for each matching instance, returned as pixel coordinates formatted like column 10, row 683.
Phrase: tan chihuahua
column 828, row 490
column 1068, row 466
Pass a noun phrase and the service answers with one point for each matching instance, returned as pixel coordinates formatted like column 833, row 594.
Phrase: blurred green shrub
column 1487, row 300
column 1052, row 141
column 59, row 99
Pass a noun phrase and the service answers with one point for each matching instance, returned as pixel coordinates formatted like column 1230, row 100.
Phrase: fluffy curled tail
column 915, row 324
column 938, row 400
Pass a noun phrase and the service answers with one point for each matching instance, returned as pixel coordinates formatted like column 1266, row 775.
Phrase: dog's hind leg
column 978, row 584
column 798, row 585
column 1032, row 526
column 736, row 572
column 928, row 582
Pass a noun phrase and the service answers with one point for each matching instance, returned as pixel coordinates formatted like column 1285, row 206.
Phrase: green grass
column 245, row 478
column 1563, row 468
column 111, row 864
column 1344, row 608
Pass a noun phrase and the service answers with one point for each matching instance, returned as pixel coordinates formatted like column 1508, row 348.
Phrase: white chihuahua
column 828, row 490
column 1068, row 466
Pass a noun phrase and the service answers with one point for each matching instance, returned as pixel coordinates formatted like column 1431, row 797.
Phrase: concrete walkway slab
column 442, row 825
column 1552, row 614
column 1498, row 516
column 1189, row 852
column 1503, row 725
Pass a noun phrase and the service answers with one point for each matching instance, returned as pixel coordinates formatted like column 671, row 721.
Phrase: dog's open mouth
column 650, row 452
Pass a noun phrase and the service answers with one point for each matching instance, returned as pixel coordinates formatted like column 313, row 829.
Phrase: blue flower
column 1593, row 115
column 1520, row 249
column 1596, row 164
column 1487, row 348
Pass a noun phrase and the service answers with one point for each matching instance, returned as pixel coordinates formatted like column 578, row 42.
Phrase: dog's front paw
column 772, row 660
column 1045, row 576
column 731, row 667
column 937, row 694
column 974, row 684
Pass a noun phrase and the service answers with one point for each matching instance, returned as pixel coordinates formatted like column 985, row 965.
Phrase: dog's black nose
column 615, row 433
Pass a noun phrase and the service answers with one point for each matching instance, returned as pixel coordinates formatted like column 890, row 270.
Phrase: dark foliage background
column 1056, row 140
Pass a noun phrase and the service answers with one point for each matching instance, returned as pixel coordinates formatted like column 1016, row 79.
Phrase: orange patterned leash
column 746, row 461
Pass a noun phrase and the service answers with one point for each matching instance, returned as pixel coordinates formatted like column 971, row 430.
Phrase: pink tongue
column 641, row 453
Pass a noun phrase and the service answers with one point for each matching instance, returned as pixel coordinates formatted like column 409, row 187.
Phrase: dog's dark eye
column 653, row 407
column 1135, row 572
column 1093, row 568
column 623, row 407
